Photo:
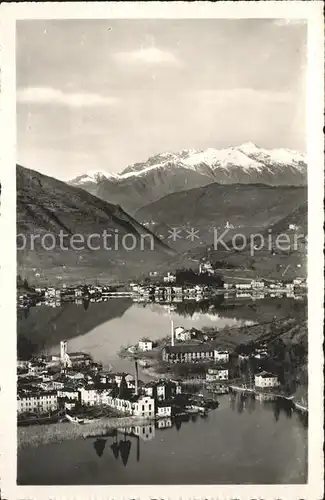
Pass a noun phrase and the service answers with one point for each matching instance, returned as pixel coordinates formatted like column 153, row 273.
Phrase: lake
column 242, row 441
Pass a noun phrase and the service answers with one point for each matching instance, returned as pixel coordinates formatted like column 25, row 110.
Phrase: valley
column 200, row 194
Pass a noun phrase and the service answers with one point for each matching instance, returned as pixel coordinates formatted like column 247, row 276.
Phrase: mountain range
column 244, row 189
column 167, row 173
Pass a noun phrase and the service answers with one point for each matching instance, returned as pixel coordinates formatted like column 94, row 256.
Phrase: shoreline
column 296, row 404
column 38, row 435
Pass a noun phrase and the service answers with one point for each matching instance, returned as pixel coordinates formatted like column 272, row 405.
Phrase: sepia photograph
column 165, row 191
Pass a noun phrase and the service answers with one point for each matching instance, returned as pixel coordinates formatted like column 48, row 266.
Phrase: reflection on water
column 248, row 439
column 245, row 440
column 122, row 440
column 42, row 327
column 245, row 401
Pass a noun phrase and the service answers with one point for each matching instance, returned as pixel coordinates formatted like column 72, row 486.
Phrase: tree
column 115, row 390
column 186, row 275
column 277, row 350
column 123, row 389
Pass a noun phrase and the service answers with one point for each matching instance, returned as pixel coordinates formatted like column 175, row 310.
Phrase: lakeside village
column 182, row 285
column 188, row 374
column 189, row 368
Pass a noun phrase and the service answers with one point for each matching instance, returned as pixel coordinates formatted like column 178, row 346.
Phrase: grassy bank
column 38, row 435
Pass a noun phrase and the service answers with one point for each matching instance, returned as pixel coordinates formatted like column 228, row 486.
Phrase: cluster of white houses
column 138, row 405
column 74, row 383
column 169, row 291
column 261, row 285
column 49, row 392
column 152, row 401
column 73, row 292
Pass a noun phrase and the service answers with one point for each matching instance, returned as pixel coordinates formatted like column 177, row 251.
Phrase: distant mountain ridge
column 166, row 173
column 244, row 208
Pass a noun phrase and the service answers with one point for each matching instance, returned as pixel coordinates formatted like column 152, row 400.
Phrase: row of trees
column 188, row 276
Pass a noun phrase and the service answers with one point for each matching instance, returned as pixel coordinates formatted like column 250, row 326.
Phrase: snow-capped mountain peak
column 280, row 156
column 92, row 177
column 222, row 158
column 249, row 147
column 168, row 172
column 287, row 156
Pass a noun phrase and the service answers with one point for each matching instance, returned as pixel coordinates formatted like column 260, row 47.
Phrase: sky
column 98, row 95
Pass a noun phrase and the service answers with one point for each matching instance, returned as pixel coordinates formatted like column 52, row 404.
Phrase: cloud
column 49, row 95
column 239, row 95
column 150, row 55
column 289, row 22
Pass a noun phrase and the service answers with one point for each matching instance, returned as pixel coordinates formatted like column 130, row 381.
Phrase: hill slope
column 47, row 205
column 271, row 260
column 243, row 208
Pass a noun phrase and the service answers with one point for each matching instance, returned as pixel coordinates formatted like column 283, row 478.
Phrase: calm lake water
column 149, row 320
column 242, row 441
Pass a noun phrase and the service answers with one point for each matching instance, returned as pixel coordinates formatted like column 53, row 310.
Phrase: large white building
column 52, row 293
column 181, row 334
column 188, row 353
column 215, row 374
column 299, row 282
column 170, row 278
column 206, row 267
column 243, row 286
column 90, row 396
column 144, row 407
column 221, row 356
column 258, row 284
column 145, row 345
column 68, row 394
column 265, row 379
column 42, row 402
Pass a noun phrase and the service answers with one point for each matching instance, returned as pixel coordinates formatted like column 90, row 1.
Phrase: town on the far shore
column 188, row 368
column 184, row 284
